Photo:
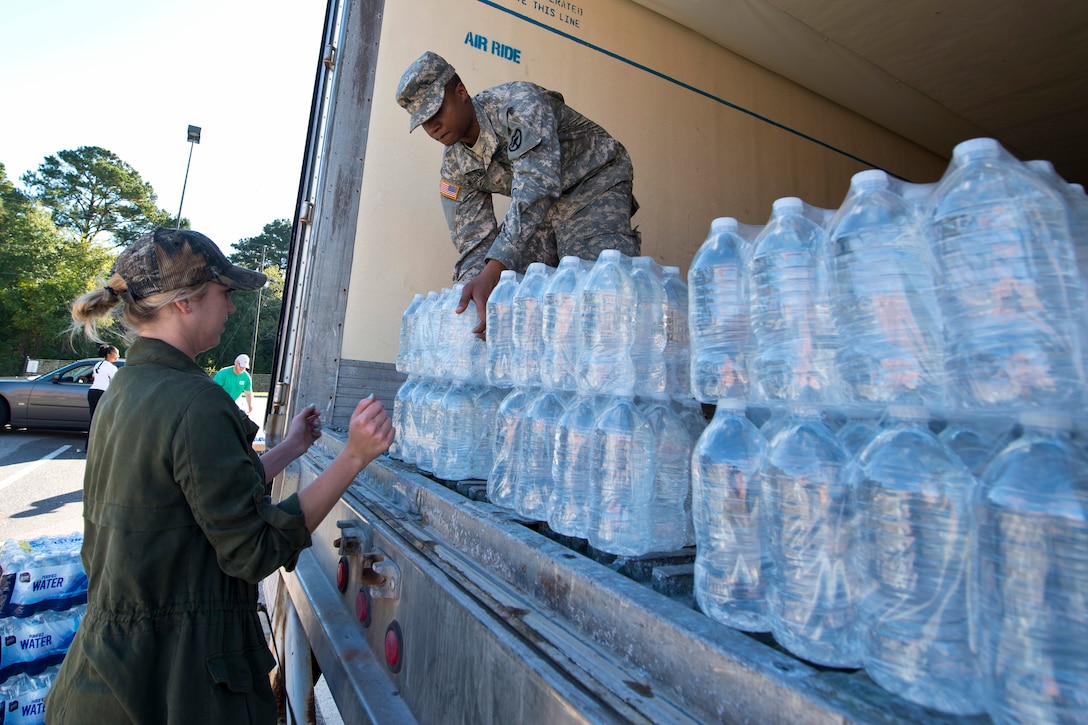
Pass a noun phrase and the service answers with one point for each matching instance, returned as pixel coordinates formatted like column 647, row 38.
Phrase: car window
column 78, row 374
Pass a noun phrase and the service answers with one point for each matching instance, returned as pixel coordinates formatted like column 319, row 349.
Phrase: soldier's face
column 455, row 118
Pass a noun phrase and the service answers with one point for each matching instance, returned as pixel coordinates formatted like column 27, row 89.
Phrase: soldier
column 569, row 181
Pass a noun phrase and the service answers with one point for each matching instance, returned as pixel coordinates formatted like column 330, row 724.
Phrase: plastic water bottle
column 607, row 327
column 413, row 419
column 22, row 696
column 677, row 335
column 1033, row 567
column 811, row 522
column 32, row 643
column 562, row 318
column 884, row 298
column 455, row 426
column 500, row 330
column 401, row 414
column 405, row 353
column 486, row 408
column 423, row 335
column 1010, row 306
column 976, row 441
column 506, row 450
column 916, row 548
column 791, row 326
column 718, row 315
column 534, row 481
column 573, row 466
column 1076, row 206
column 433, row 428
column 528, row 307
column 732, row 557
column 691, row 412
column 856, row 433
column 670, row 514
column 650, row 336
column 467, row 352
column 623, row 484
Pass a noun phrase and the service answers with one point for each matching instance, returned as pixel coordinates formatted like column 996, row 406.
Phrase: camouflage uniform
column 572, row 191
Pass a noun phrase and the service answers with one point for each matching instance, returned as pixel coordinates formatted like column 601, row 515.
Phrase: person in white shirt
column 103, row 373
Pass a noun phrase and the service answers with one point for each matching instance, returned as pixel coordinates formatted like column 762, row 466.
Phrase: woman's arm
column 370, row 434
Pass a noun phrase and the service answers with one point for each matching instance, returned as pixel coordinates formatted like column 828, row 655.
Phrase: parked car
column 54, row 400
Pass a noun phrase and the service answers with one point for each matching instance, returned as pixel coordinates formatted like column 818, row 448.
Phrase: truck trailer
column 419, row 600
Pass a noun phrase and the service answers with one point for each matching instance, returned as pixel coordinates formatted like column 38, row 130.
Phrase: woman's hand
column 305, row 428
column 370, row 432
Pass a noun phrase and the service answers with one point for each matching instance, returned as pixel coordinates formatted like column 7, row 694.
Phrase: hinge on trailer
column 330, row 56
column 378, row 573
column 306, row 213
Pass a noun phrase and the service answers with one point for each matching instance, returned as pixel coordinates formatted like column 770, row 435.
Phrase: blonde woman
column 179, row 527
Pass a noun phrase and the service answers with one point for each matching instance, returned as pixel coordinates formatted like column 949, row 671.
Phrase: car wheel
column 5, row 413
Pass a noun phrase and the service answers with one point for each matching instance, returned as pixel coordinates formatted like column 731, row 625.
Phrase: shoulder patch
column 449, row 190
column 519, row 140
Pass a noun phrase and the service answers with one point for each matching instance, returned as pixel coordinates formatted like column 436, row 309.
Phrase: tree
column 274, row 240
column 42, row 269
column 92, row 192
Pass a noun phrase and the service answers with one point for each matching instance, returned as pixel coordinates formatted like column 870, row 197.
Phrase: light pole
column 194, row 137
column 257, row 318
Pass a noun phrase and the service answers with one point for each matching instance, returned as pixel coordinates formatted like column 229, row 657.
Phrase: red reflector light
column 342, row 574
column 393, row 647
column 362, row 607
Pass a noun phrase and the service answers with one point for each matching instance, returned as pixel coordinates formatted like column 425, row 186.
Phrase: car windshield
column 79, row 374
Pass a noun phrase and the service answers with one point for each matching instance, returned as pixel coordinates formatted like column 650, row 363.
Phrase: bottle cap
column 788, row 205
column 977, row 147
column 723, row 224
column 908, row 412
column 1048, row 419
column 870, row 178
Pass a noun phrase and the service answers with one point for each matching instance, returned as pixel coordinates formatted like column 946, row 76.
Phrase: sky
column 130, row 76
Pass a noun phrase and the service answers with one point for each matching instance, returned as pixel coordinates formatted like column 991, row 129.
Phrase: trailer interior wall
column 710, row 133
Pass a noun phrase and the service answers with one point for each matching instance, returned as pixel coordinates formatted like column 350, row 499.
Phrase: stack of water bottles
column 444, row 412
column 589, row 414
column 43, row 595
column 951, row 567
column 596, row 436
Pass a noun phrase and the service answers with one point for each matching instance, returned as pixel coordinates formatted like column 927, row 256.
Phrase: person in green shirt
column 235, row 380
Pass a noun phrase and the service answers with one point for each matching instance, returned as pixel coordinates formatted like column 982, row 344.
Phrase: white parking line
column 8, row 481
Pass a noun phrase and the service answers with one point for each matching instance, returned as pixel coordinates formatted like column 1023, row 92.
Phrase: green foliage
column 42, row 269
column 96, row 195
column 53, row 248
column 271, row 245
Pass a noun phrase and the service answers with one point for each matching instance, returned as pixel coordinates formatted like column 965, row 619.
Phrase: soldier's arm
column 531, row 132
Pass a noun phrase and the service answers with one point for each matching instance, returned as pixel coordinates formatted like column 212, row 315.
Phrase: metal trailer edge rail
column 496, row 622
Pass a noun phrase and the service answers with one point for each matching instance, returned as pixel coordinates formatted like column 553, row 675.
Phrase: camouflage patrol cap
column 423, row 86
column 169, row 259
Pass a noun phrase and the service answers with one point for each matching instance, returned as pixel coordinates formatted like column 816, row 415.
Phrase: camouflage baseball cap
column 423, row 86
column 169, row 259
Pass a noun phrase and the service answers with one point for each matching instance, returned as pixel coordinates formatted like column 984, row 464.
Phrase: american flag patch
column 448, row 190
